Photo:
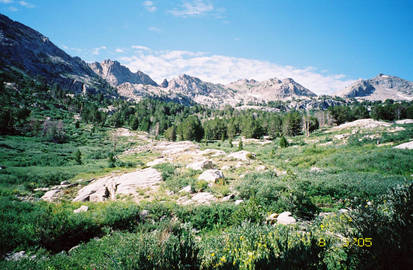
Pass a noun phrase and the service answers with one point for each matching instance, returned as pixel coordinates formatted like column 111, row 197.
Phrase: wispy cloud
column 119, row 50
column 154, row 29
column 140, row 47
column 149, row 5
column 72, row 49
column 26, row 4
column 10, row 8
column 192, row 8
column 14, row 8
column 96, row 51
column 225, row 69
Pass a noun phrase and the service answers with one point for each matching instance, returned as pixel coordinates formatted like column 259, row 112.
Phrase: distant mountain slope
column 26, row 49
column 189, row 88
column 381, row 87
column 184, row 88
column 116, row 74
column 272, row 89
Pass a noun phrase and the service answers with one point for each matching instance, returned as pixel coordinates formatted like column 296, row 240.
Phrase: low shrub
column 389, row 224
column 167, row 170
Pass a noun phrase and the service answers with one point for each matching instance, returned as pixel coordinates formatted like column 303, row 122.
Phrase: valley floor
column 183, row 205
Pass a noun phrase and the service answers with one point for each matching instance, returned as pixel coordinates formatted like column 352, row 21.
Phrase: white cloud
column 72, row 49
column 26, row 4
column 96, row 51
column 192, row 8
column 139, row 47
column 6, row 1
column 154, row 29
column 225, row 69
column 149, row 6
column 119, row 50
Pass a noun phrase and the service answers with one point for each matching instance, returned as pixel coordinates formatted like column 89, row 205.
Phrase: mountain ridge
column 115, row 73
column 26, row 49
column 381, row 87
column 30, row 51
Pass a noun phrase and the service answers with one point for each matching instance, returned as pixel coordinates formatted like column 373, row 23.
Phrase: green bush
column 34, row 177
column 302, row 206
column 388, row 222
column 167, row 170
column 250, row 211
column 170, row 247
column 205, row 217
column 283, row 142
column 252, row 246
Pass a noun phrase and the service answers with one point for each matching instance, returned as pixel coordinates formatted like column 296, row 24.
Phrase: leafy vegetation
column 337, row 190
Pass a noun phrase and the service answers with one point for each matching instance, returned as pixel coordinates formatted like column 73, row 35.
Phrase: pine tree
column 240, row 145
column 283, row 142
column 191, row 129
column 111, row 160
column 170, row 133
column 135, row 122
column 78, row 157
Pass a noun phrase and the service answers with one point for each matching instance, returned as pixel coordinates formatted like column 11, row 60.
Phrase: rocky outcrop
column 26, row 49
column 108, row 188
column 285, row 218
column 199, row 198
column 408, row 145
column 186, row 189
column 362, row 123
column 272, row 89
column 81, row 209
column 116, row 74
column 164, row 83
column 381, row 87
column 51, row 195
column 201, row 165
column 404, row 121
column 241, row 155
column 211, row 175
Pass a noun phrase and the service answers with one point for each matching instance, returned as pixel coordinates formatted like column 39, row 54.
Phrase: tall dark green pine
column 78, row 157
column 240, row 145
column 283, row 142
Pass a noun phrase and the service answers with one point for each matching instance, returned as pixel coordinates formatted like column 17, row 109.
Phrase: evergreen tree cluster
column 388, row 110
column 32, row 107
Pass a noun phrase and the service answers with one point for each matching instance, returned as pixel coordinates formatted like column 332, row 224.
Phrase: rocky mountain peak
column 116, row 74
column 271, row 89
column 381, row 87
column 36, row 55
column 164, row 83
column 187, row 84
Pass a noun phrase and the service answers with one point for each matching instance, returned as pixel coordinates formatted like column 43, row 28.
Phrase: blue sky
column 322, row 44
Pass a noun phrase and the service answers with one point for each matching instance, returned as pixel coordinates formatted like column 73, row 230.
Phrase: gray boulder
column 285, row 218
column 241, row 155
column 51, row 195
column 126, row 184
column 83, row 208
column 201, row 165
column 211, row 175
